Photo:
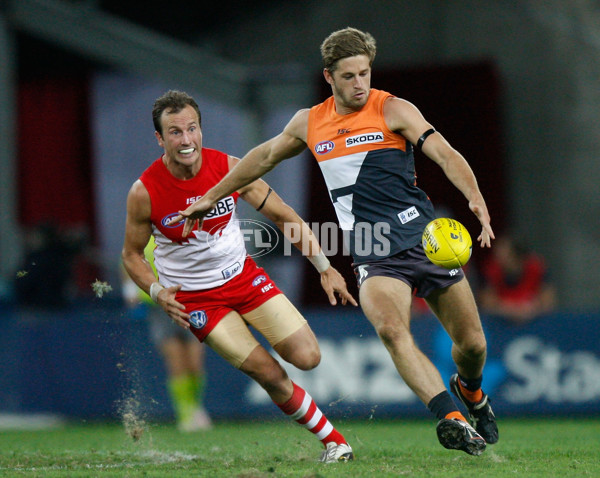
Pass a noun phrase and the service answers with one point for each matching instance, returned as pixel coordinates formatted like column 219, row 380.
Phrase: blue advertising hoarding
column 87, row 363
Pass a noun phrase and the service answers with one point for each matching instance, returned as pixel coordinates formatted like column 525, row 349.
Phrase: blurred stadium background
column 513, row 85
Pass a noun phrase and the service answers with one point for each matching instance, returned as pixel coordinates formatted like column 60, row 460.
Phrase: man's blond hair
column 346, row 43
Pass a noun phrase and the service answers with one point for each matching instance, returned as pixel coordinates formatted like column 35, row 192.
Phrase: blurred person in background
column 363, row 141
column 53, row 255
column 182, row 352
column 515, row 284
column 207, row 282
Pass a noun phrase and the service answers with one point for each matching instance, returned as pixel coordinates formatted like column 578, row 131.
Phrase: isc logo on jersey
column 231, row 270
column 366, row 138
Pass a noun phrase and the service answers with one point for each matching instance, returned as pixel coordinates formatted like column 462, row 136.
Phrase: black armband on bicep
column 265, row 200
column 424, row 136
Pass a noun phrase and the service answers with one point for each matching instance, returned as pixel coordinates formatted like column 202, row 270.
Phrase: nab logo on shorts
column 258, row 280
column 324, row 147
column 198, row 319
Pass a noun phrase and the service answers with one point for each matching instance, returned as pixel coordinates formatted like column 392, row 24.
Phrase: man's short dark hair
column 172, row 101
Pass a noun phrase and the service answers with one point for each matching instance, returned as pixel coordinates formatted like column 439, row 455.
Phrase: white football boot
column 336, row 453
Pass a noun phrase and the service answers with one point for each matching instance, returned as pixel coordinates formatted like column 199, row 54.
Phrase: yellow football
column 447, row 243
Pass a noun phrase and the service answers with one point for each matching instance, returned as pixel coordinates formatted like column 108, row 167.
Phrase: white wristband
column 320, row 262
column 155, row 288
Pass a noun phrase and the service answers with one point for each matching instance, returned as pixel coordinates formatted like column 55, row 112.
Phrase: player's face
column 181, row 136
column 350, row 83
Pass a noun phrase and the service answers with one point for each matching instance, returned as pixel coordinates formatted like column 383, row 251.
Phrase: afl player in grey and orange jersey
column 363, row 139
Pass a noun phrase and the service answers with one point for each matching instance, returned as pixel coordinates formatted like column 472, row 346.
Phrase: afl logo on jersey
column 259, row 280
column 324, row 147
column 165, row 221
column 198, row 319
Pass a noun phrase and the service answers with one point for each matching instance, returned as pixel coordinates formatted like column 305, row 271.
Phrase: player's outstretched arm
column 138, row 229
column 261, row 197
column 256, row 163
column 458, row 171
column 403, row 117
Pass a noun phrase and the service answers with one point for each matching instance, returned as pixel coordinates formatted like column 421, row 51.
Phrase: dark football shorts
column 412, row 267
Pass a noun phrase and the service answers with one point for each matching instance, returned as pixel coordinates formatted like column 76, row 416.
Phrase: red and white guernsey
column 209, row 257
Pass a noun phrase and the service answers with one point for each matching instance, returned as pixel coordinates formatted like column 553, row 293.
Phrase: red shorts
column 244, row 293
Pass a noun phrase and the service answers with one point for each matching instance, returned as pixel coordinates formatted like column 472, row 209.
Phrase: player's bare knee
column 392, row 336
column 303, row 358
column 474, row 348
column 307, row 359
column 302, row 351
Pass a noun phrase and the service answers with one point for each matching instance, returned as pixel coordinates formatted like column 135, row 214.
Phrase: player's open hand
column 332, row 283
column 175, row 310
column 193, row 215
column 486, row 236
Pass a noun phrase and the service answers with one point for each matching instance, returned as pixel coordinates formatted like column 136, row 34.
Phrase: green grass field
column 527, row 448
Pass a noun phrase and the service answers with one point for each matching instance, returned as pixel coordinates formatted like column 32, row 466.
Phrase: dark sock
column 472, row 384
column 442, row 405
